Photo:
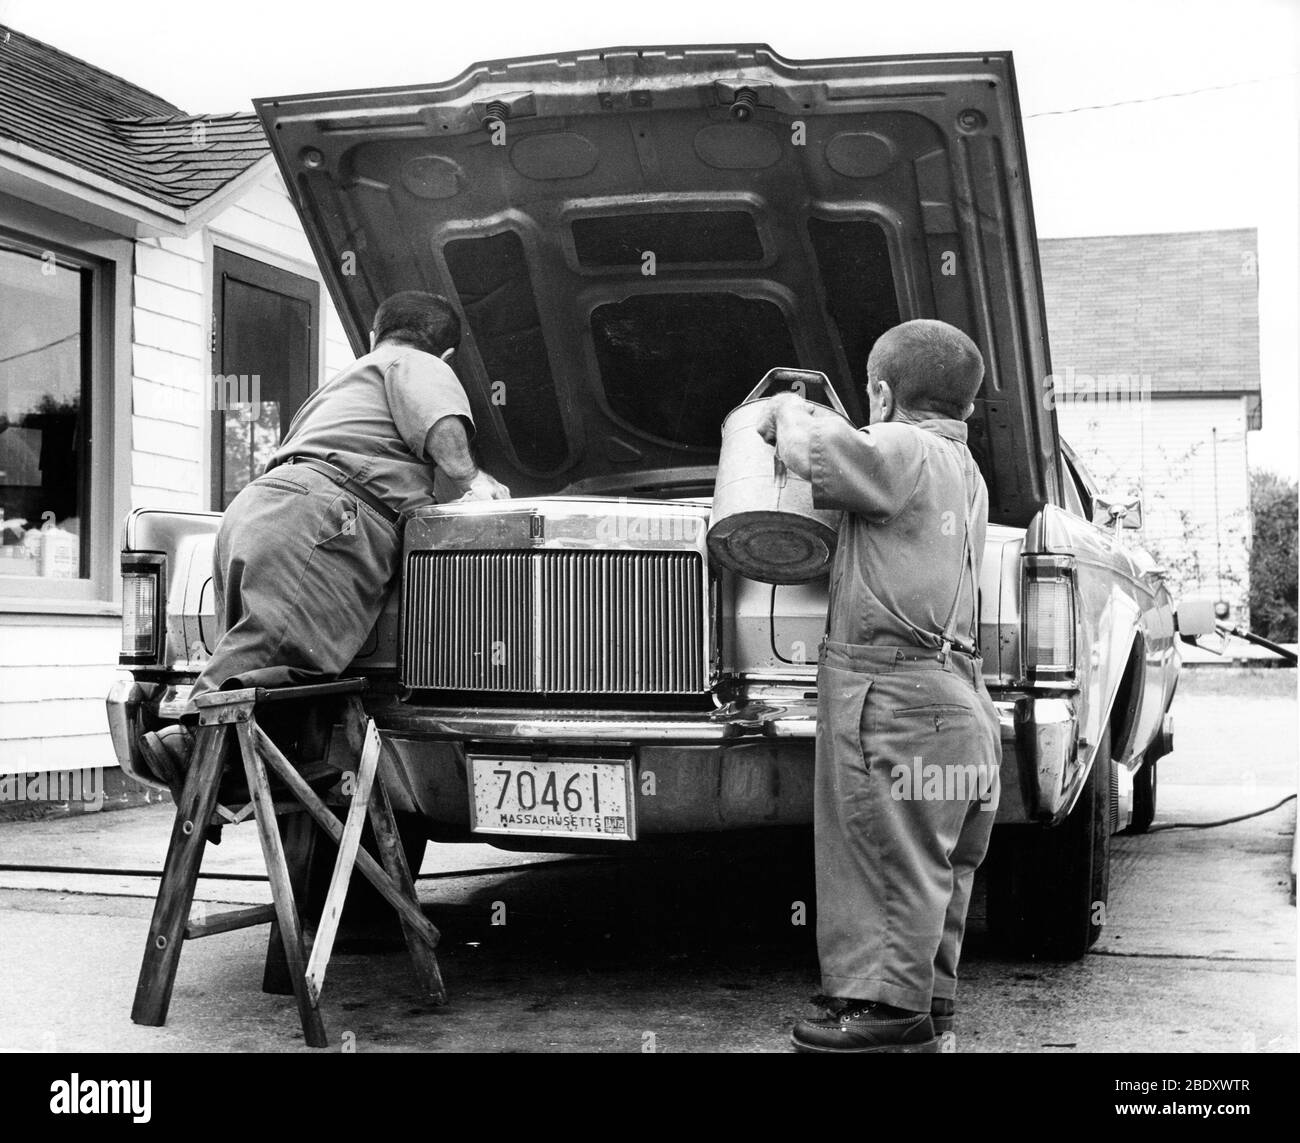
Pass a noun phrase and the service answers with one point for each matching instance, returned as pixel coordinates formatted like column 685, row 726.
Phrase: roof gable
column 73, row 111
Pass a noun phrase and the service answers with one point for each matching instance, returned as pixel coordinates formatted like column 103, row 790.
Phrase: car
column 635, row 237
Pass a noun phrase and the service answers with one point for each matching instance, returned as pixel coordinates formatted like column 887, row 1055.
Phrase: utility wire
column 1158, row 98
column 40, row 348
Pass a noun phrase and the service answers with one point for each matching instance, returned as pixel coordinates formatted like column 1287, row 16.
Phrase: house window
column 46, row 303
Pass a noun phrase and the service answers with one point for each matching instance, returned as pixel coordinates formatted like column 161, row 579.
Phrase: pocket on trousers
column 938, row 715
column 934, row 707
column 842, row 711
column 340, row 522
column 283, row 484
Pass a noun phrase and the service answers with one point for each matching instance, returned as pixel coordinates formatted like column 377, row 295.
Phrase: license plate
column 554, row 797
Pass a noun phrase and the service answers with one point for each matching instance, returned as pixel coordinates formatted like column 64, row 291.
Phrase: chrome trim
column 125, row 699
column 793, row 719
column 609, row 597
column 175, row 701
column 1055, row 725
column 596, row 726
column 591, row 523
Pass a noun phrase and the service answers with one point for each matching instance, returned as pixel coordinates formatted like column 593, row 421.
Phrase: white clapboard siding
column 270, row 200
column 59, row 643
column 265, row 217
column 168, row 368
column 171, row 334
column 54, row 677
column 162, row 405
column 1165, row 448
column 68, row 752
column 165, row 473
column 338, row 353
column 169, row 396
column 160, row 298
column 165, row 438
column 34, row 683
column 159, row 265
column 54, row 717
column 191, row 246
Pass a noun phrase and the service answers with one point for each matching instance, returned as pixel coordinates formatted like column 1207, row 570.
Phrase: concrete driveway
column 683, row 951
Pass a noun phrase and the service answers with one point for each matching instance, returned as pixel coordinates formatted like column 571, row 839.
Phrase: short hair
column 930, row 365
column 426, row 321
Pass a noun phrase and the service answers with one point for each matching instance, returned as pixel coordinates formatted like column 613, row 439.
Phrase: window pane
column 251, row 434
column 44, row 339
column 265, row 362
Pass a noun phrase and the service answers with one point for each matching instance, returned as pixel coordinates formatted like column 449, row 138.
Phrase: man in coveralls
column 307, row 551
column 907, row 737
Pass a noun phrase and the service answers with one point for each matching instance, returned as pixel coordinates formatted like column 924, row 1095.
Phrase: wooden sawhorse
column 222, row 713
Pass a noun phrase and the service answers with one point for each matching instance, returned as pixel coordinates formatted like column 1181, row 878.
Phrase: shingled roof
column 1181, row 308
column 73, row 111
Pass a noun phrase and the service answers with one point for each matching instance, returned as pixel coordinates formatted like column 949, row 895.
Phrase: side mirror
column 1117, row 513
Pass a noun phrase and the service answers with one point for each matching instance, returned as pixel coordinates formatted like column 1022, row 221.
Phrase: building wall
column 1186, row 456
column 56, row 669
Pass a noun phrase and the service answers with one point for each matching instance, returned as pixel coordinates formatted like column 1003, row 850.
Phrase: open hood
column 636, row 236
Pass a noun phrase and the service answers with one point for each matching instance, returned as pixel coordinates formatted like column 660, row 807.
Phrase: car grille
column 555, row 622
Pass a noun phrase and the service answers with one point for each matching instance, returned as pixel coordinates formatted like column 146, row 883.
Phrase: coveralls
column 908, row 746
column 302, row 566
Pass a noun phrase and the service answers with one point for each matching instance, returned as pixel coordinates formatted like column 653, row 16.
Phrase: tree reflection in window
column 44, row 369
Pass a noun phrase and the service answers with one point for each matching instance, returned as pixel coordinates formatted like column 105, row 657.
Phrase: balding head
column 930, row 367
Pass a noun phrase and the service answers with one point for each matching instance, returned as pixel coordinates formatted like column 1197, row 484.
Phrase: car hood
column 635, row 236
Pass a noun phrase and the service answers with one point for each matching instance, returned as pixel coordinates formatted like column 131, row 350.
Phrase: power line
column 1158, row 98
column 40, row 348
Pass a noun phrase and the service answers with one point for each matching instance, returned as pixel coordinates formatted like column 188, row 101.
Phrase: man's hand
column 787, row 426
column 483, row 486
column 767, row 427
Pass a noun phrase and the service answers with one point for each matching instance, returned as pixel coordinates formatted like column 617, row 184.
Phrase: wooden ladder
column 198, row 806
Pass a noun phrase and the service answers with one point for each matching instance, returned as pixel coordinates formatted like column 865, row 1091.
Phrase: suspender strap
column 949, row 636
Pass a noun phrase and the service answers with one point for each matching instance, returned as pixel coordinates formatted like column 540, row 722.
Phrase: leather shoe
column 867, row 1026
column 167, row 754
column 942, row 1015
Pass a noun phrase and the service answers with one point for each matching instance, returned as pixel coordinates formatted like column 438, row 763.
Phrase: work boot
column 942, row 1014
column 867, row 1026
column 166, row 753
